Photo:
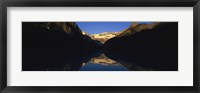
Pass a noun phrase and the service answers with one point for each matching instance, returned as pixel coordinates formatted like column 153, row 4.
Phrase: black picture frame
column 100, row 3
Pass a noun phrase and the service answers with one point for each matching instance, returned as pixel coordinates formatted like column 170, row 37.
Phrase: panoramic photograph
column 100, row 46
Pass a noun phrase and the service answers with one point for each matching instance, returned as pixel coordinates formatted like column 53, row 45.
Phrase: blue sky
column 99, row 27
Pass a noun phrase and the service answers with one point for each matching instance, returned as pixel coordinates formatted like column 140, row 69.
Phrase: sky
column 99, row 27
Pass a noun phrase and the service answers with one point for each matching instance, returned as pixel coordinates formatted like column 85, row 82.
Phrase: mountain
column 51, row 40
column 136, row 27
column 85, row 33
column 103, row 37
column 55, row 34
column 149, row 45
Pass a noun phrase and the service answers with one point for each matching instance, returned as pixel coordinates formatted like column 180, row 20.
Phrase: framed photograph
column 100, row 46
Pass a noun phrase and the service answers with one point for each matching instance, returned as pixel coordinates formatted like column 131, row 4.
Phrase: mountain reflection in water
column 102, row 63
column 97, row 61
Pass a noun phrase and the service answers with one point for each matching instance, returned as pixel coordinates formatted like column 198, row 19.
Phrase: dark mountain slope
column 47, row 42
column 154, row 47
column 55, row 34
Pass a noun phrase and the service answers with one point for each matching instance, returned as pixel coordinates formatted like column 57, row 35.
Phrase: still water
column 89, row 62
column 102, row 63
column 98, row 61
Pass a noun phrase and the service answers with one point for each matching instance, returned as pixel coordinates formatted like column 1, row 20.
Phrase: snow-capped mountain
column 103, row 37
